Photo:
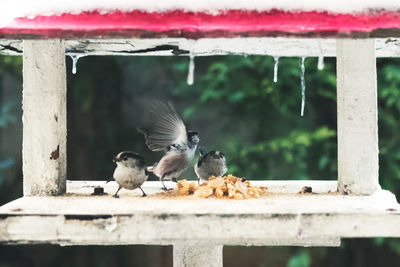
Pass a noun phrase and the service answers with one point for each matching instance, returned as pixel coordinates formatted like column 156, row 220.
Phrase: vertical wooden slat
column 197, row 255
column 44, row 117
column 357, row 113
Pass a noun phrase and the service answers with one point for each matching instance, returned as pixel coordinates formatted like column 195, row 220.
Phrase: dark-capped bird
column 167, row 132
column 130, row 172
column 211, row 163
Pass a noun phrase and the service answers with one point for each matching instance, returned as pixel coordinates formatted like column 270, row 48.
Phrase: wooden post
column 197, row 255
column 44, row 117
column 357, row 113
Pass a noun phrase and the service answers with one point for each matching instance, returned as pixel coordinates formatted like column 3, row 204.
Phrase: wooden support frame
column 280, row 47
column 282, row 218
column 357, row 114
column 197, row 255
column 44, row 117
column 321, row 220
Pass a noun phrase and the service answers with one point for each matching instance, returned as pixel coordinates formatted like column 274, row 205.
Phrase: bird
column 130, row 172
column 167, row 132
column 211, row 163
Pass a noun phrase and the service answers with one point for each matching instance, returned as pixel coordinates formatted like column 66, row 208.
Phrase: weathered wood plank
column 274, row 186
column 357, row 115
column 44, row 117
column 197, row 255
column 79, row 218
column 284, row 47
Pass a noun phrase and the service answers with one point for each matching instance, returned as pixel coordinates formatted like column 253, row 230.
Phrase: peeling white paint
column 44, row 117
column 112, row 226
column 280, row 47
column 275, row 219
column 197, row 255
column 357, row 109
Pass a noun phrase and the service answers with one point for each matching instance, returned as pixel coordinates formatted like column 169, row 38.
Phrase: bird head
column 218, row 155
column 129, row 159
column 193, row 137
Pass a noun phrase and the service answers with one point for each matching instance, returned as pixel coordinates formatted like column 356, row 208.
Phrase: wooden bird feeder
column 355, row 32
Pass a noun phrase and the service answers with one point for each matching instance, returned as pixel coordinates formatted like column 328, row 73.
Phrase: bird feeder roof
column 25, row 19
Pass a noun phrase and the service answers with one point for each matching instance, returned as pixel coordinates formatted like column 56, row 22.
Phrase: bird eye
column 125, row 158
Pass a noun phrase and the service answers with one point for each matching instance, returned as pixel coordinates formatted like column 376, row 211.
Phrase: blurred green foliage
column 7, row 112
column 259, row 122
column 301, row 259
column 389, row 122
column 291, row 146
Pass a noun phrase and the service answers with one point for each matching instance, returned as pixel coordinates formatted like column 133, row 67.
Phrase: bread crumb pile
column 228, row 187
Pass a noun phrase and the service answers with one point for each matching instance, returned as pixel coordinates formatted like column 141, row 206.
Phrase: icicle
column 190, row 77
column 75, row 59
column 276, row 62
column 321, row 57
column 321, row 62
column 303, row 86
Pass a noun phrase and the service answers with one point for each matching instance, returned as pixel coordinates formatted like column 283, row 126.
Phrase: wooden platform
column 281, row 217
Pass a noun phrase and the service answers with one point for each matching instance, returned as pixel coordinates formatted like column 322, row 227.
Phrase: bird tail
column 151, row 168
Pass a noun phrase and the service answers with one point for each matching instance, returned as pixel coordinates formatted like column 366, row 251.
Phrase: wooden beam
column 44, row 118
column 283, row 47
column 357, row 115
column 197, row 255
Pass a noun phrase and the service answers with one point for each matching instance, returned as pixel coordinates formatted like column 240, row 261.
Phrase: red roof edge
column 232, row 23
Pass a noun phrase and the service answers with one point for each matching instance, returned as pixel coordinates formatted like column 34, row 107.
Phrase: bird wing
column 166, row 128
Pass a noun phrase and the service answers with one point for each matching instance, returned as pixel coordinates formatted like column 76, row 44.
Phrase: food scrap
column 305, row 190
column 221, row 187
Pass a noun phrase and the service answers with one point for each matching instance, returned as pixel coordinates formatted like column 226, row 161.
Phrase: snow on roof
column 22, row 8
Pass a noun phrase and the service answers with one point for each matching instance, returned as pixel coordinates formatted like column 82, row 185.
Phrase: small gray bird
column 130, row 172
column 211, row 163
column 168, row 133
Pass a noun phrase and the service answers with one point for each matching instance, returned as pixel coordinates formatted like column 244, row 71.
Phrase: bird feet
column 115, row 196
column 144, row 194
column 166, row 189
